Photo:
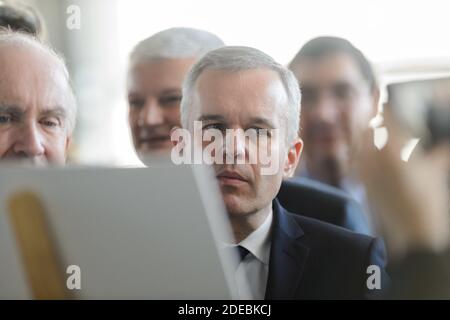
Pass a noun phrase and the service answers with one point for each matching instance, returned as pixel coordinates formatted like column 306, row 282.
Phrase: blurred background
column 403, row 39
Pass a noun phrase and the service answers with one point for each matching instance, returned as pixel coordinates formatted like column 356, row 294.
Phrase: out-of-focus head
column 157, row 68
column 18, row 17
column 242, row 88
column 339, row 97
column 37, row 105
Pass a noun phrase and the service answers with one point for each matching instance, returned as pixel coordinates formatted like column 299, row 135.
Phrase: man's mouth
column 154, row 141
column 231, row 178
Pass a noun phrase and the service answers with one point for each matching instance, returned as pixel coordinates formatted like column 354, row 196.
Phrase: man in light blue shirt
column 340, row 95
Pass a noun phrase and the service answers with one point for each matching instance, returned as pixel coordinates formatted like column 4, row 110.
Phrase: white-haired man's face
column 34, row 102
column 154, row 96
column 246, row 100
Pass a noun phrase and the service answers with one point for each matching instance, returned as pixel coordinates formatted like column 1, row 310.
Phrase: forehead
column 31, row 76
column 160, row 74
column 327, row 70
column 240, row 95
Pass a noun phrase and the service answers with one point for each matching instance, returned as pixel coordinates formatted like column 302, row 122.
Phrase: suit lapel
column 287, row 256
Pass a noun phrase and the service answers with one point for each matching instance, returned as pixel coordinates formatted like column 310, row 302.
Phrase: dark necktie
column 243, row 252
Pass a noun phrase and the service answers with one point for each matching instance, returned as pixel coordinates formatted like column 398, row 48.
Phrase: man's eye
column 343, row 92
column 5, row 119
column 308, row 97
column 218, row 126
column 50, row 123
column 262, row 131
column 136, row 103
column 171, row 100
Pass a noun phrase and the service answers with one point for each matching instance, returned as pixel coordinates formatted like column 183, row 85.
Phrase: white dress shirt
column 254, row 268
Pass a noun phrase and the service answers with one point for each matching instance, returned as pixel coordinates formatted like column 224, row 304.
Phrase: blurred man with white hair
column 37, row 105
column 283, row 256
column 156, row 72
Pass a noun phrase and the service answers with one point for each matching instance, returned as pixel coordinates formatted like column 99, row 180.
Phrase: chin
column 236, row 206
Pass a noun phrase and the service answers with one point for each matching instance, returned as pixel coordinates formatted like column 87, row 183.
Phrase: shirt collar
column 258, row 242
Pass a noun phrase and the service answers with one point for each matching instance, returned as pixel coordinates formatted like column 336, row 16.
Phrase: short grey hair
column 9, row 37
column 235, row 59
column 175, row 43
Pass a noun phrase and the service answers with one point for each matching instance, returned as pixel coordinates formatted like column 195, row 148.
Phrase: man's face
column 154, row 96
column 337, row 105
column 246, row 100
column 33, row 106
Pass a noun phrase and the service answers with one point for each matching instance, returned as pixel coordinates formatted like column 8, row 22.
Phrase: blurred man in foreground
column 413, row 198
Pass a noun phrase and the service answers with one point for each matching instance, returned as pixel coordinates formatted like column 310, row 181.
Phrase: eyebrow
column 344, row 83
column 55, row 111
column 254, row 120
column 211, row 117
column 171, row 91
column 12, row 110
column 163, row 92
column 334, row 84
column 16, row 111
column 263, row 122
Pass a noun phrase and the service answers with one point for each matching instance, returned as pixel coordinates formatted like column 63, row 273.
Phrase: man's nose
column 235, row 145
column 29, row 142
column 152, row 114
column 326, row 109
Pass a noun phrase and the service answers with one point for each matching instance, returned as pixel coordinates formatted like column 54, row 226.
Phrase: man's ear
column 67, row 147
column 68, row 143
column 293, row 157
column 375, row 101
column 175, row 142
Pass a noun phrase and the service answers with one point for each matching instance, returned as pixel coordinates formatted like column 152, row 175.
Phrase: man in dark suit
column 245, row 107
column 315, row 260
column 171, row 53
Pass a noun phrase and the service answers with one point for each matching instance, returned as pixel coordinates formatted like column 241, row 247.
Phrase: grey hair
column 9, row 37
column 235, row 59
column 175, row 43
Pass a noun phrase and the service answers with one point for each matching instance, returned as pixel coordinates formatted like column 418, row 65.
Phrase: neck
column 243, row 226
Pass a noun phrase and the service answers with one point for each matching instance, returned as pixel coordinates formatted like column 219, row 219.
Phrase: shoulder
column 336, row 260
column 315, row 188
column 317, row 200
column 330, row 242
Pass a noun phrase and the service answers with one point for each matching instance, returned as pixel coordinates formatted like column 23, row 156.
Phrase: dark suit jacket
column 311, row 259
column 320, row 201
